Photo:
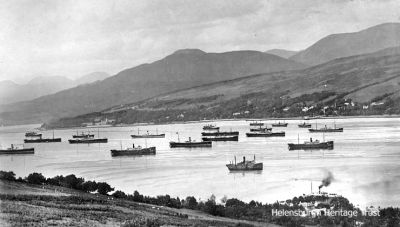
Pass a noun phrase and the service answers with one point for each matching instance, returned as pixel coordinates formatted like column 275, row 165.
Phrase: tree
column 191, row 202
column 71, row 181
column 137, row 197
column 119, row 194
column 10, row 176
column 89, row 186
column 104, row 188
column 36, row 178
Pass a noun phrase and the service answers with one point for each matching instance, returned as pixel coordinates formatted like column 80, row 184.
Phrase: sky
column 75, row 37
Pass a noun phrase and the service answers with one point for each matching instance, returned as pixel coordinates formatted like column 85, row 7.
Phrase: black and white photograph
column 200, row 113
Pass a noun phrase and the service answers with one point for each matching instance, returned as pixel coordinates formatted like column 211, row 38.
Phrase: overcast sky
column 73, row 38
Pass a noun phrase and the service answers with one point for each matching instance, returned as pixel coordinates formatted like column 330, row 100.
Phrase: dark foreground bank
column 68, row 200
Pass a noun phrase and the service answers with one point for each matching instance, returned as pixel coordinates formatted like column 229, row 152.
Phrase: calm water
column 365, row 162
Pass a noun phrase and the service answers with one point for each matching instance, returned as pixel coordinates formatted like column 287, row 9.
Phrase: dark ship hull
column 18, row 151
column 134, row 151
column 88, row 140
column 245, row 167
column 190, row 144
column 33, row 134
column 311, row 146
column 48, row 140
column 221, row 138
column 260, row 129
column 83, row 136
column 149, row 136
column 280, row 125
column 210, row 128
column 269, row 134
column 256, row 124
column 326, row 130
column 220, row 133
column 305, row 126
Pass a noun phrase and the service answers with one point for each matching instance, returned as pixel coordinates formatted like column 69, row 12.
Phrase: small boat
column 245, row 165
column 304, row 125
column 190, row 143
column 311, row 145
column 265, row 134
column 326, row 129
column 83, row 135
column 148, row 135
column 210, row 127
column 221, row 138
column 134, row 151
column 235, row 133
column 15, row 149
column 260, row 129
column 33, row 134
column 256, row 123
column 279, row 124
column 88, row 140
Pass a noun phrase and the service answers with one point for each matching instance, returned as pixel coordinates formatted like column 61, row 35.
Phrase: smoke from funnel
column 327, row 180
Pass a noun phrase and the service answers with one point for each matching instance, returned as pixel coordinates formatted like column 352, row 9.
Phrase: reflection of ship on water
column 245, row 165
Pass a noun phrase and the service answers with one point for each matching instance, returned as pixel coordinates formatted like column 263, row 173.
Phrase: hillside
column 324, row 89
column 282, row 53
column 183, row 69
column 348, row 44
column 11, row 92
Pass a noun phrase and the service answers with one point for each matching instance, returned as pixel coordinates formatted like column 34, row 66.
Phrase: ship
column 256, row 123
column 265, row 134
column 210, row 127
column 235, row 133
column 279, row 124
column 83, row 135
column 88, row 140
column 326, row 129
column 134, row 151
column 311, row 145
column 33, row 134
column 190, row 143
column 221, row 138
column 16, row 149
column 304, row 125
column 43, row 140
column 245, row 165
column 260, row 129
column 148, row 135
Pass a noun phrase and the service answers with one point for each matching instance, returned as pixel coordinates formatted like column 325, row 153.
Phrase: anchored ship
column 190, row 143
column 311, row 145
column 235, row 133
column 279, row 124
column 33, row 134
column 245, row 165
column 88, row 140
column 134, row 151
column 148, row 135
column 326, row 129
column 43, row 140
column 210, row 127
column 17, row 149
column 304, row 125
column 260, row 129
column 265, row 134
column 256, row 123
column 83, row 135
column 220, row 138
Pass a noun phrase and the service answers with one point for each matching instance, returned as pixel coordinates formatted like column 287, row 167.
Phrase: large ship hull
column 149, row 136
column 326, row 130
column 305, row 126
column 241, row 167
column 210, row 128
column 49, row 140
column 256, row 124
column 316, row 146
column 83, row 136
column 260, row 129
column 221, row 138
column 18, row 151
column 220, row 133
column 190, row 144
column 104, row 140
column 133, row 152
column 271, row 134
column 33, row 134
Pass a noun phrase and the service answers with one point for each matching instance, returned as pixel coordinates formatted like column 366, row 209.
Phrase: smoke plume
column 327, row 180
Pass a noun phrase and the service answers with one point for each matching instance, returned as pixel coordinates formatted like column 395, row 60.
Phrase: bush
column 119, row 194
column 104, row 188
column 89, row 186
column 36, row 178
column 10, row 176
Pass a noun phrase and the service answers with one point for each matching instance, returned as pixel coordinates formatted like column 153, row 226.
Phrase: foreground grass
column 22, row 204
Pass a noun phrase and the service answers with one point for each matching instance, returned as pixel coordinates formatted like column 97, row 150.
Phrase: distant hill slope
column 11, row 92
column 348, row 44
column 182, row 69
column 282, row 53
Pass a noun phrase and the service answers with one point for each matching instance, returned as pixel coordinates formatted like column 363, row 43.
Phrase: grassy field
column 23, row 204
